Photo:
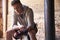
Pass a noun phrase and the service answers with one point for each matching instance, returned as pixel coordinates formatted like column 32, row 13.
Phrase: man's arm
column 30, row 19
column 15, row 19
column 14, row 26
column 30, row 26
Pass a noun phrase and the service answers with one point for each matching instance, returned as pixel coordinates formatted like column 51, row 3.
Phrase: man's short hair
column 15, row 1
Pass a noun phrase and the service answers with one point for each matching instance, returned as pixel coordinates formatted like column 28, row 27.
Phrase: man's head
column 15, row 2
column 17, row 5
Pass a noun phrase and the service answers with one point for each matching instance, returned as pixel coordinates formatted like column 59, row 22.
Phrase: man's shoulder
column 27, row 8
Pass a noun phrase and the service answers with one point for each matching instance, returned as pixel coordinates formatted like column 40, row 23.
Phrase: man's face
column 17, row 7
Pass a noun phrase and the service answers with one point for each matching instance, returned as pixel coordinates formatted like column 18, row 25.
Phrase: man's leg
column 9, row 34
column 32, row 35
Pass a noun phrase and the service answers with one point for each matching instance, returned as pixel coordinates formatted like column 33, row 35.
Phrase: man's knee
column 8, row 31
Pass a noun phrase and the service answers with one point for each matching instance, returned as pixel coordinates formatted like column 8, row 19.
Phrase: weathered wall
column 57, row 18
column 38, row 9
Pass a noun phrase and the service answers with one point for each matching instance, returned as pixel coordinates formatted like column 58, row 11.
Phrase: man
column 23, row 15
